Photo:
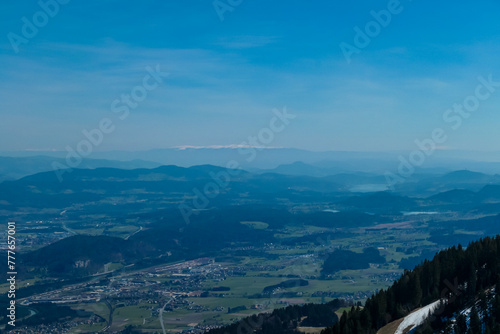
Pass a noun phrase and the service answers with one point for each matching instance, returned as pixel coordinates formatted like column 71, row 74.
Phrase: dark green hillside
column 466, row 176
column 207, row 232
column 82, row 255
column 275, row 217
column 464, row 199
column 343, row 259
column 489, row 193
column 469, row 272
column 455, row 196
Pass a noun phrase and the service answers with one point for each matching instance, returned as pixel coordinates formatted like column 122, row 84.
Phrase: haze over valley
column 235, row 167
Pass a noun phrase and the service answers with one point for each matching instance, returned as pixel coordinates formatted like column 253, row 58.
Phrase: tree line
column 462, row 278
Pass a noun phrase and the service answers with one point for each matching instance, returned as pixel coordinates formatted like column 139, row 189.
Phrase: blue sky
column 226, row 76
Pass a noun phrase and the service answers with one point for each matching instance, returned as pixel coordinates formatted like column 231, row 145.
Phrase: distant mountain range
column 323, row 163
column 115, row 189
column 12, row 168
column 347, row 168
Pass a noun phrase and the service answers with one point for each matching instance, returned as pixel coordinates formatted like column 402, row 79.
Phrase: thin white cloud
column 233, row 146
column 245, row 42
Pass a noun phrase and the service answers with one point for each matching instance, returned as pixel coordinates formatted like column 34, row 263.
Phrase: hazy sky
column 226, row 75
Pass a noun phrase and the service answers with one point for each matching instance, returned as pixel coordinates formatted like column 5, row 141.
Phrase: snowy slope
column 491, row 293
column 417, row 317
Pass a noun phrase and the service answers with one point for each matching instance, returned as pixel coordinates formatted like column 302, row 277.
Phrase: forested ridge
column 462, row 278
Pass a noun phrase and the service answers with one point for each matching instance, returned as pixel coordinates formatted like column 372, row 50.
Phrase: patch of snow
column 491, row 293
column 416, row 213
column 418, row 317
